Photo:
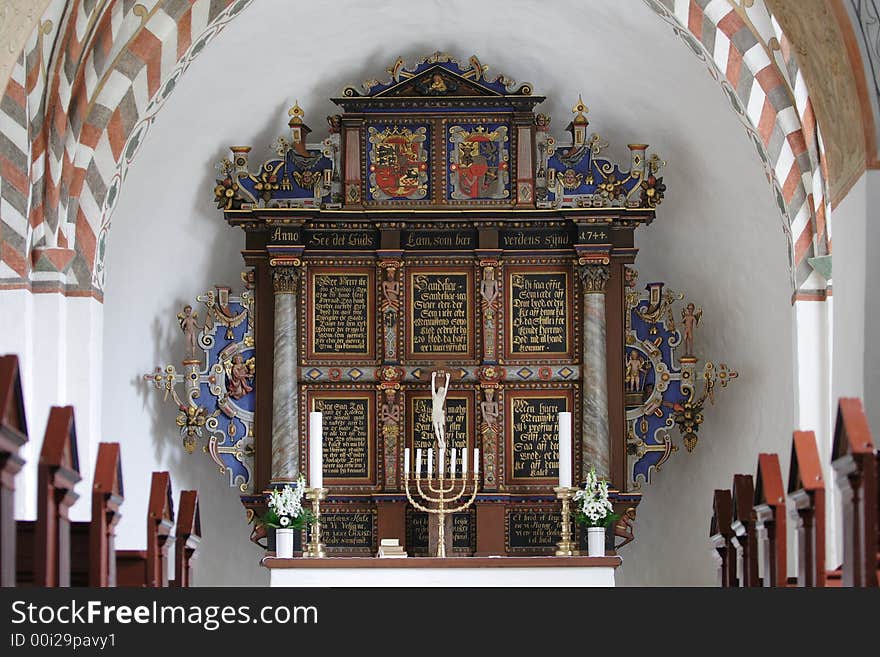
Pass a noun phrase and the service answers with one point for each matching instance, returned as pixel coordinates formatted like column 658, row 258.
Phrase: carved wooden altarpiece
column 438, row 222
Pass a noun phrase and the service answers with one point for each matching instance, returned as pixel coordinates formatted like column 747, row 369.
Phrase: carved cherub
column 188, row 321
column 690, row 317
column 624, row 527
column 635, row 365
column 239, row 378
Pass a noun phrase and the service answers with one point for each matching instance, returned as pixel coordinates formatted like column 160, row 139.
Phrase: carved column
column 595, row 443
column 285, row 396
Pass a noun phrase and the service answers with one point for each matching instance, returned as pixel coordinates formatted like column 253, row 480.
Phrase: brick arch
column 79, row 103
column 746, row 51
column 71, row 123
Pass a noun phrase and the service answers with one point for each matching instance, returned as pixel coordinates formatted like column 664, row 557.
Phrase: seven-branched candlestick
column 444, row 493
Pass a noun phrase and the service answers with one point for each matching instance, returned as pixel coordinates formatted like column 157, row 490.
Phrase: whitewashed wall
column 717, row 236
column 872, row 302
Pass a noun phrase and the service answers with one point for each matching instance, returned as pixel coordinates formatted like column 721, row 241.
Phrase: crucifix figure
column 438, row 412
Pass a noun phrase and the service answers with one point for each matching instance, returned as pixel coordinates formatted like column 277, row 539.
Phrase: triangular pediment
column 437, row 82
column 12, row 415
column 768, row 482
column 852, row 435
column 805, row 471
column 59, row 449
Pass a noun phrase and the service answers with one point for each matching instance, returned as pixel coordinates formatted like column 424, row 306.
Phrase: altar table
column 452, row 571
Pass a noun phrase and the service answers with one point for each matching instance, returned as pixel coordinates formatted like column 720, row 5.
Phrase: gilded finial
column 579, row 110
column 296, row 114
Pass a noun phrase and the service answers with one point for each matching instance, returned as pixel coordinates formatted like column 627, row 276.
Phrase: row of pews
column 748, row 525
column 55, row 551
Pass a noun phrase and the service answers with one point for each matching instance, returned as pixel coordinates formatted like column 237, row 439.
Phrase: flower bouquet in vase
column 286, row 514
column 594, row 511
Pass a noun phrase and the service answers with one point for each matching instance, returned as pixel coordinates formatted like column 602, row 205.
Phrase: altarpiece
column 440, row 224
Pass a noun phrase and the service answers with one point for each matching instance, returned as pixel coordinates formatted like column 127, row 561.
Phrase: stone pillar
column 285, row 396
column 595, row 441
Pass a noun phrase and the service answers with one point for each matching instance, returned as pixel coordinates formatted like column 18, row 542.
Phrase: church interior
column 564, row 238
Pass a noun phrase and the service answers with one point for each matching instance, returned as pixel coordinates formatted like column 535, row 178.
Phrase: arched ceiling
column 94, row 73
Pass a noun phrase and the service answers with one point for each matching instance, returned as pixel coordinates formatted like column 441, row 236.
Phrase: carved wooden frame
column 366, row 391
column 344, row 267
column 437, row 266
column 510, row 270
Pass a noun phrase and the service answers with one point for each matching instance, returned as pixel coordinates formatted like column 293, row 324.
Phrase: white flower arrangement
column 592, row 507
column 286, row 509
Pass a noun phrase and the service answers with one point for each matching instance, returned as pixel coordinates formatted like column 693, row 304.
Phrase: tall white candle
column 316, row 450
column 452, row 464
column 476, row 460
column 464, row 461
column 406, row 461
column 441, row 461
column 565, row 449
column 430, row 461
column 418, row 461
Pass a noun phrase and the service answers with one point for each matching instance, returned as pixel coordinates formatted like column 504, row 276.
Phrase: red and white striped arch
column 95, row 73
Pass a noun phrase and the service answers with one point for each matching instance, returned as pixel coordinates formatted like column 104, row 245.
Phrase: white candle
column 464, row 461
column 565, row 449
column 476, row 460
column 316, row 451
column 430, row 461
column 441, row 460
column 452, row 463
column 418, row 461
column 406, row 461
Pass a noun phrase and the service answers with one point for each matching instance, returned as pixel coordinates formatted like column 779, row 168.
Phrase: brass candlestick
column 566, row 545
column 315, row 549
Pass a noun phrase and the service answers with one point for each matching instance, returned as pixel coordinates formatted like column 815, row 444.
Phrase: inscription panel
column 349, row 435
column 532, row 529
column 556, row 237
column 341, row 314
column 337, row 239
column 348, row 531
column 538, row 309
column 438, row 240
column 463, row 533
column 532, row 435
column 459, row 423
column 441, row 316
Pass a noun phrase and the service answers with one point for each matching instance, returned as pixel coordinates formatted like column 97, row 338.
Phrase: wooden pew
column 744, row 529
column 43, row 551
column 187, row 536
column 855, row 468
column 149, row 568
column 93, row 550
column 769, row 515
column 806, row 488
column 13, row 434
column 721, row 536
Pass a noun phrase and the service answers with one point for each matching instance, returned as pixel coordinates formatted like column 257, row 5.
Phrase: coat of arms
column 398, row 163
column 479, row 163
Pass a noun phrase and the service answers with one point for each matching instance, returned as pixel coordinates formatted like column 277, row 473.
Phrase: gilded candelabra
column 315, row 549
column 566, row 547
column 443, row 494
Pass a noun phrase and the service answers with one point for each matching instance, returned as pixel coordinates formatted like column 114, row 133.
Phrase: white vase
column 284, row 543
column 596, row 541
